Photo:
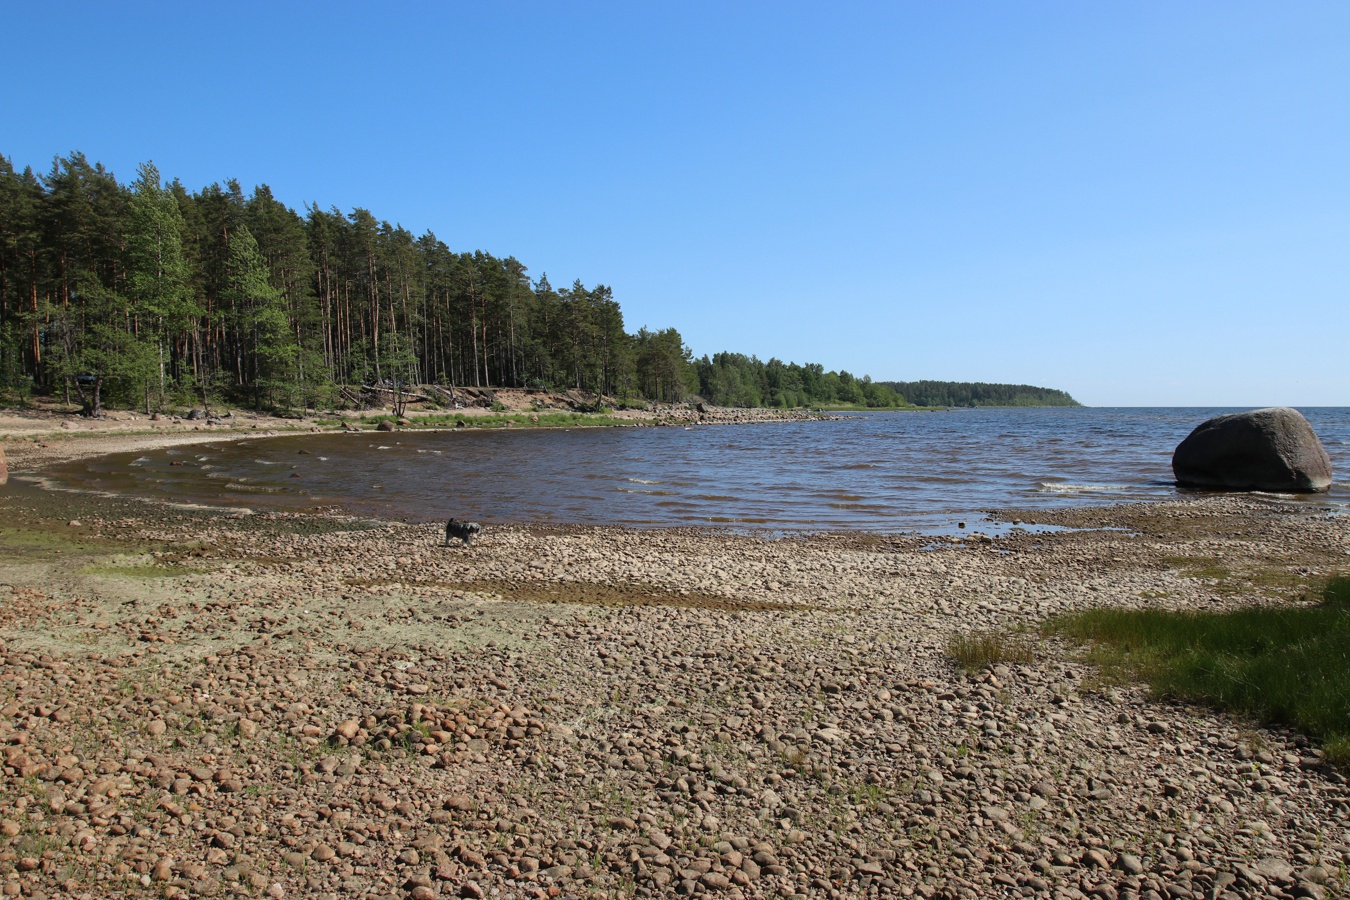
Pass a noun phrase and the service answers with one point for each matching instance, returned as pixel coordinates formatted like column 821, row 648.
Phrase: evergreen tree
column 264, row 348
column 157, row 269
column 106, row 290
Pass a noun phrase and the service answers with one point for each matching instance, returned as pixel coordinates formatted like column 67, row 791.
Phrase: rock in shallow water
column 1263, row 450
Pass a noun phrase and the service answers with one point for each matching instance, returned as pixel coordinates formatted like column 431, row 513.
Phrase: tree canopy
column 151, row 294
column 962, row 393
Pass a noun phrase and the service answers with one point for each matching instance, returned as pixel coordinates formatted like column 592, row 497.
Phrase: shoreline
column 194, row 704
column 35, row 438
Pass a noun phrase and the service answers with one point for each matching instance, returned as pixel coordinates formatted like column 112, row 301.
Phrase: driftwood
column 352, row 397
column 408, row 396
column 446, row 396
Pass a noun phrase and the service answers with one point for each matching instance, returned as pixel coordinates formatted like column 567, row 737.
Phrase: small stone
column 155, row 728
column 323, row 853
column 1045, row 789
column 1130, row 864
column 1315, row 874
column 347, row 730
column 1274, row 868
column 715, row 880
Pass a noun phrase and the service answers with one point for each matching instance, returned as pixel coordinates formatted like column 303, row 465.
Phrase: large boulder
column 1263, row 450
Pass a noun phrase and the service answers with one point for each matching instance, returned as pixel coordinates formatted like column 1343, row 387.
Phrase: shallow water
column 876, row 472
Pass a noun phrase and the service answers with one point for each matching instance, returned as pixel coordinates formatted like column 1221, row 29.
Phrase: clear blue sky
column 1141, row 203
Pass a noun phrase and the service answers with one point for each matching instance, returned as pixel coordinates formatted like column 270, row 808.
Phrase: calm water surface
column 878, row 472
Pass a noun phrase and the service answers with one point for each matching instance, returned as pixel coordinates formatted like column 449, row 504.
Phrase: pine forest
column 150, row 295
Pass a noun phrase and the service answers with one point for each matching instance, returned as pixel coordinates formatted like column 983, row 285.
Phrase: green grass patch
column 977, row 649
column 1287, row 664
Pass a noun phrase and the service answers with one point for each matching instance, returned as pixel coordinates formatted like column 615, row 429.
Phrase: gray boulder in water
column 1263, row 450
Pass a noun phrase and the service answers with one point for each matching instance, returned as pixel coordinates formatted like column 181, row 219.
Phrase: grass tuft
column 976, row 650
column 1283, row 664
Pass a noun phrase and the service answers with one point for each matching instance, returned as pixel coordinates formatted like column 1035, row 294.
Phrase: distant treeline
column 733, row 379
column 962, row 393
column 152, row 295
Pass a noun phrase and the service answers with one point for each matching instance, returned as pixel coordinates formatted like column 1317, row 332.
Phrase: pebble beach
column 197, row 703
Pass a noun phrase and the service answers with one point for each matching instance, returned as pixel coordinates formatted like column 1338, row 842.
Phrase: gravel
column 198, row 705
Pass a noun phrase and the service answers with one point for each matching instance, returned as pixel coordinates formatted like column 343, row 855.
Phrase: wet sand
column 199, row 704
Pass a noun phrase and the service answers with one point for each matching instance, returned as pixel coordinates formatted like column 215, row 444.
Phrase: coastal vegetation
column 1284, row 664
column 151, row 295
column 973, row 651
column 961, row 393
column 734, row 379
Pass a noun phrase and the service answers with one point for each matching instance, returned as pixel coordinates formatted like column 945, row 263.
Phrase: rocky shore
column 199, row 705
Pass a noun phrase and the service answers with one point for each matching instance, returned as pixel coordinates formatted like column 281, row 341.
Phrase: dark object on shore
column 1263, row 450
column 195, row 415
column 463, row 531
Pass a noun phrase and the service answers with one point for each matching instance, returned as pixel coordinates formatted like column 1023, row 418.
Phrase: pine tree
column 157, row 267
column 264, row 349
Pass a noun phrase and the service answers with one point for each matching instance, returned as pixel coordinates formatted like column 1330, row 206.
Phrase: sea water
column 889, row 472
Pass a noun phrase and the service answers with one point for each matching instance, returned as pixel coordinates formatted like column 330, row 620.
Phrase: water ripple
column 877, row 472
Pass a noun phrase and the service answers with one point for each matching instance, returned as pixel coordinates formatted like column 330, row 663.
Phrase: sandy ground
column 194, row 704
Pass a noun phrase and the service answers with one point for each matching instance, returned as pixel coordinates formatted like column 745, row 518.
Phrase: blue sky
column 1142, row 203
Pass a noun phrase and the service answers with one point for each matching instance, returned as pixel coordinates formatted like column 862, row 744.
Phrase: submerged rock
column 1271, row 449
